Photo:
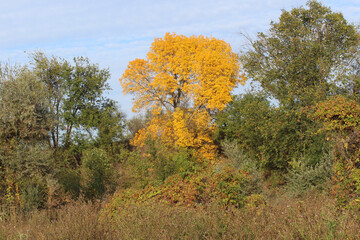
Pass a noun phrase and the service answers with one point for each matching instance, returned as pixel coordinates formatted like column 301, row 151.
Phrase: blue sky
column 112, row 33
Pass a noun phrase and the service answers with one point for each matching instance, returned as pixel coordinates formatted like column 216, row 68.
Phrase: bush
column 157, row 162
column 304, row 176
column 27, row 167
column 271, row 135
column 33, row 196
column 236, row 157
column 242, row 120
column 70, row 180
column 98, row 174
column 341, row 123
column 226, row 186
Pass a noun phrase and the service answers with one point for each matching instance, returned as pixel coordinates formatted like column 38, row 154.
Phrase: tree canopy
column 305, row 56
column 74, row 93
column 183, row 81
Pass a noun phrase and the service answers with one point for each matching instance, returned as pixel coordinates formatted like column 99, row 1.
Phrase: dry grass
column 77, row 220
column 313, row 217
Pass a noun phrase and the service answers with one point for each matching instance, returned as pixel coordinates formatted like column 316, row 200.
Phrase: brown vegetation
column 311, row 217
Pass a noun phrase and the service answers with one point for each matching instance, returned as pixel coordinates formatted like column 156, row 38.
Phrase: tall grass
column 311, row 217
column 78, row 220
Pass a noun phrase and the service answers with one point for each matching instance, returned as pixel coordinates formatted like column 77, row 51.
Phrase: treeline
column 58, row 131
column 196, row 144
column 298, row 127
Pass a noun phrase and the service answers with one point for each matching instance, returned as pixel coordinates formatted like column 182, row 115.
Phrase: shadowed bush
column 98, row 173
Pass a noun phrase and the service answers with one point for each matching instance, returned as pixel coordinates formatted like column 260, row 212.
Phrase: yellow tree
column 183, row 80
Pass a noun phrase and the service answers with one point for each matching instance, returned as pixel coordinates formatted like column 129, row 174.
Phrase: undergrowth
column 313, row 216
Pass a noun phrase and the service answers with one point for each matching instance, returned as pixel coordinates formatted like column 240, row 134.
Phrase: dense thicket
column 306, row 58
column 50, row 113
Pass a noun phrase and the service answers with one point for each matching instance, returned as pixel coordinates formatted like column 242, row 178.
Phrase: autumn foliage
column 341, row 118
column 183, row 81
column 229, row 187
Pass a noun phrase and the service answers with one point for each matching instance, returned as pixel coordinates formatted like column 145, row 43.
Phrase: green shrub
column 33, row 196
column 98, row 173
column 157, row 162
column 231, row 188
column 28, row 161
column 166, row 162
column 305, row 176
column 236, row 157
column 70, row 180
column 27, row 167
column 242, row 120
column 271, row 135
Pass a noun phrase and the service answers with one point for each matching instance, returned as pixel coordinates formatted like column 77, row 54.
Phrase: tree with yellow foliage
column 184, row 81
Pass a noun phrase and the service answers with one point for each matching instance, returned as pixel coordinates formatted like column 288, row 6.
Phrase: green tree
column 304, row 56
column 24, row 111
column 53, row 72
column 26, row 161
column 242, row 121
column 273, row 136
column 108, row 124
column 83, row 89
column 52, row 110
column 76, row 102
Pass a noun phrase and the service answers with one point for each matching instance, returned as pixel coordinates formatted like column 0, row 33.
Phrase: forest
column 278, row 161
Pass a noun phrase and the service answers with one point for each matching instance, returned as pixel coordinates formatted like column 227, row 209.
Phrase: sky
column 113, row 32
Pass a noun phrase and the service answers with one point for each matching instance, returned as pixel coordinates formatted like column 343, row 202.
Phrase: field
column 311, row 217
